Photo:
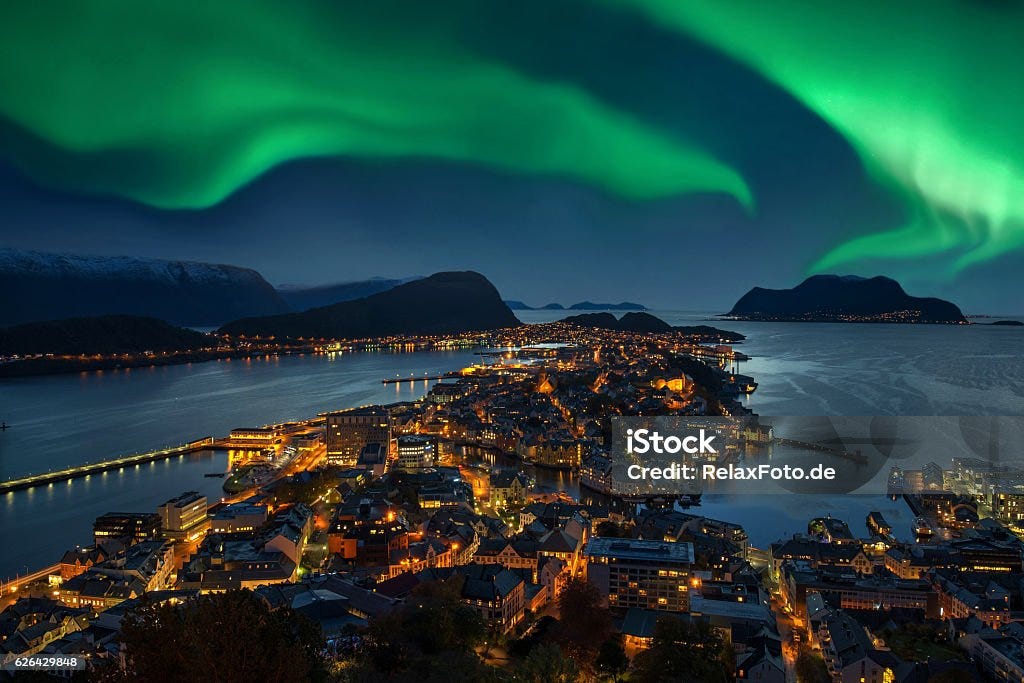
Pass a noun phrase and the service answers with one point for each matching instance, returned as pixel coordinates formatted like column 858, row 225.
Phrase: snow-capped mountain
column 45, row 286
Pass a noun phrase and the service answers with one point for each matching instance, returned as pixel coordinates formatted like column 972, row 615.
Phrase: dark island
column 645, row 323
column 443, row 303
column 849, row 298
column 107, row 334
column 105, row 342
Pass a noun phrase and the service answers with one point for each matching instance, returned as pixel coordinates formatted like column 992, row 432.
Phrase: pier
column 45, row 478
column 853, row 456
column 419, row 378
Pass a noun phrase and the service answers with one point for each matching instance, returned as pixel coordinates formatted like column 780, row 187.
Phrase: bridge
column 45, row 478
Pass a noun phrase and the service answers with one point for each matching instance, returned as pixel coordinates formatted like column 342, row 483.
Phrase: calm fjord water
column 802, row 369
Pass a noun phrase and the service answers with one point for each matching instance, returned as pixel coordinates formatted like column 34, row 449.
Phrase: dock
column 46, row 478
column 419, row 378
column 853, row 456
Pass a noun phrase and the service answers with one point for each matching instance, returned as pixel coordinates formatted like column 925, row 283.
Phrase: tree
column 432, row 636
column 682, row 652
column 226, row 637
column 547, row 664
column 584, row 621
column 611, row 659
column 810, row 668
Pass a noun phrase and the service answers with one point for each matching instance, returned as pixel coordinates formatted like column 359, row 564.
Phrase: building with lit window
column 254, row 437
column 348, row 431
column 644, row 574
column 184, row 517
column 131, row 527
column 1007, row 503
column 416, row 452
column 238, row 518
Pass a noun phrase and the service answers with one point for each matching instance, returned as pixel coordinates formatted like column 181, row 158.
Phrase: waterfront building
column 238, row 518
column 508, row 488
column 254, row 437
column 133, row 527
column 184, row 517
column 636, row 573
column 596, row 474
column 559, row 453
column 348, row 431
column 416, row 452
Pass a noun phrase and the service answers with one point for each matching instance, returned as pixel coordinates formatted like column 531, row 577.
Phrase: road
column 12, row 589
column 786, row 630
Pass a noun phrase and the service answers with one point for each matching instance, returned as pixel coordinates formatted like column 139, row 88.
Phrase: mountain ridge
column 442, row 303
column 304, row 298
column 41, row 286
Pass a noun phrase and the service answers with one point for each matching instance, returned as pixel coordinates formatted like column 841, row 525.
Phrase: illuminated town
column 356, row 518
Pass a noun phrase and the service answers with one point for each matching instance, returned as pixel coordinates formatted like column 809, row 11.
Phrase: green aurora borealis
column 209, row 102
column 929, row 92
column 178, row 105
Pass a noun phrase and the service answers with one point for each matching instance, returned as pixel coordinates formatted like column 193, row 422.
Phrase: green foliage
column 682, row 652
column 547, row 664
column 292, row 491
column 920, row 642
column 228, row 637
column 611, row 659
column 810, row 668
column 432, row 637
column 584, row 621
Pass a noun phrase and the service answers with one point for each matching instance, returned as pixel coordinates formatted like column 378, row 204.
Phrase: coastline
column 871, row 321
column 38, row 367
